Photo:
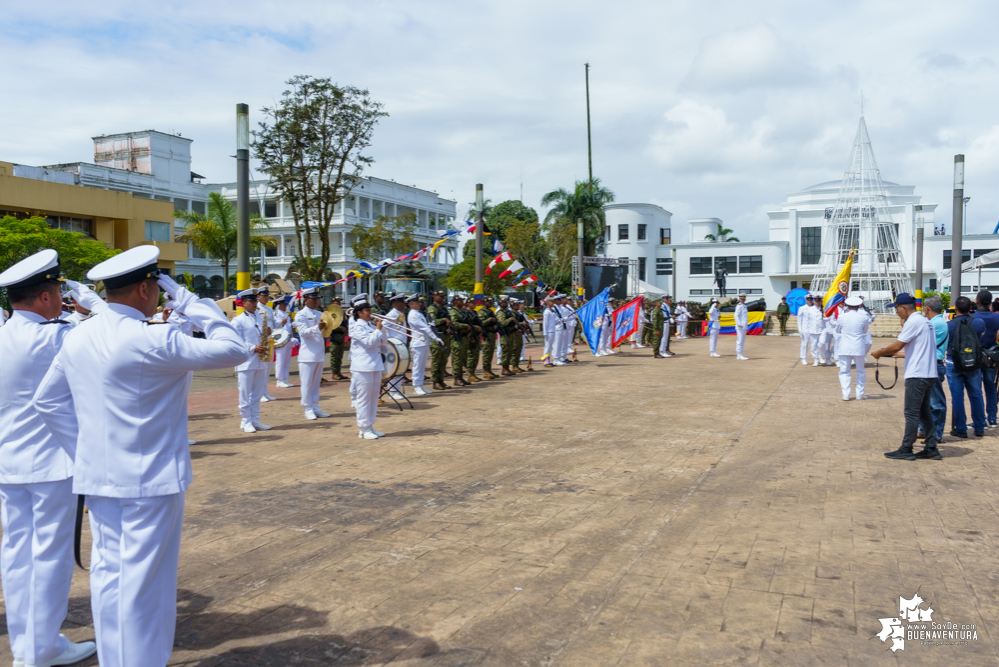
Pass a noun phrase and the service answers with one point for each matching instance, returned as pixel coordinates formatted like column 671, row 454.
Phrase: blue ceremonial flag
column 595, row 308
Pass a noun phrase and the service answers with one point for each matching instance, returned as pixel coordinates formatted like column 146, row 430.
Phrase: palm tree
column 585, row 202
column 721, row 236
column 215, row 234
column 487, row 210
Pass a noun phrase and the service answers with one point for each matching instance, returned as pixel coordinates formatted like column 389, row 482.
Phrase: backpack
column 965, row 347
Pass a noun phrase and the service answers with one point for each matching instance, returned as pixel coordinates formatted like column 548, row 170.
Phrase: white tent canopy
column 649, row 288
column 976, row 264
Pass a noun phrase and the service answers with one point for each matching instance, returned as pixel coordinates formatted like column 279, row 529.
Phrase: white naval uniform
column 570, row 331
column 682, row 317
column 809, row 321
column 366, row 367
column 643, row 320
column 269, row 364
column 741, row 326
column 395, row 385
column 561, row 325
column 74, row 318
column 604, row 344
column 252, row 373
column 714, row 328
column 117, row 391
column 667, row 321
column 852, row 327
column 549, row 330
column 311, row 355
column 36, row 487
column 282, row 355
column 420, row 349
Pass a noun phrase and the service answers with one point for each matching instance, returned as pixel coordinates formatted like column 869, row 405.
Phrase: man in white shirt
column 549, row 329
column 682, row 317
column 311, row 354
column 36, row 473
column 741, row 327
column 851, row 328
column 263, row 298
column 919, row 342
column 420, row 348
column 252, row 373
column 117, row 392
column 809, row 324
column 714, row 328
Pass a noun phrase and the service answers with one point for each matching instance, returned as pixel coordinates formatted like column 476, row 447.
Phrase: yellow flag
column 840, row 287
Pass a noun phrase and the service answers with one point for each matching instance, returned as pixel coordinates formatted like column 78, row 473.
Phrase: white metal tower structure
column 860, row 220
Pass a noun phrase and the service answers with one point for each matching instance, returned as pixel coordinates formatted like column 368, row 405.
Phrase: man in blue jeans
column 959, row 381
column 932, row 310
column 983, row 312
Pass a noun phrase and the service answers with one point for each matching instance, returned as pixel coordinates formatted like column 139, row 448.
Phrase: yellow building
column 119, row 219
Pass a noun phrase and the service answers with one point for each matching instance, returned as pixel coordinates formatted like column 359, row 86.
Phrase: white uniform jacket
column 74, row 318
column 29, row 453
column 417, row 322
column 852, row 327
column 282, row 320
column 117, row 391
column 313, row 344
column 714, row 316
column 741, row 315
column 805, row 316
column 248, row 327
column 549, row 320
column 366, row 345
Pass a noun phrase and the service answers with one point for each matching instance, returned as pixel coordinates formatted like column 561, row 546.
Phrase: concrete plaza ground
column 622, row 511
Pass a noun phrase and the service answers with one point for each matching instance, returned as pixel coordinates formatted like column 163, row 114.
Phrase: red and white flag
column 516, row 267
column 502, row 257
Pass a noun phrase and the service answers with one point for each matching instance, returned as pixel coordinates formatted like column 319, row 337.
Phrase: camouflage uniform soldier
column 509, row 330
column 658, row 328
column 338, row 340
column 490, row 325
column 474, row 342
column 440, row 321
column 459, row 340
column 783, row 312
column 517, row 339
column 380, row 306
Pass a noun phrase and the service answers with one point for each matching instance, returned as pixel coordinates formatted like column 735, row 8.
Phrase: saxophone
column 266, row 341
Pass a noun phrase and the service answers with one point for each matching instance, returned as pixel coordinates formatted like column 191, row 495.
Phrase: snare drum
column 281, row 337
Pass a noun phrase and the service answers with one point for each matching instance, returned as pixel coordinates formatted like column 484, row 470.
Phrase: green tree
column 720, row 237
column 215, row 234
column 461, row 278
column 20, row 239
column 507, row 213
column 312, row 149
column 385, row 237
column 585, row 202
column 487, row 210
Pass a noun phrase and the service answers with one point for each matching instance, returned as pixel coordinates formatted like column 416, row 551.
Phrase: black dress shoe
column 979, row 434
column 928, row 453
column 958, row 434
column 904, row 453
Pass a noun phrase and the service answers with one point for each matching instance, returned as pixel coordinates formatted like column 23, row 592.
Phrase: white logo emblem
column 909, row 611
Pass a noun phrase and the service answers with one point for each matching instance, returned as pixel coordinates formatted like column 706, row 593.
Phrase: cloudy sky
column 705, row 107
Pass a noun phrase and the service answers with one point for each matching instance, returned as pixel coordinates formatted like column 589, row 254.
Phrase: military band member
column 419, row 349
column 36, row 473
column 311, row 354
column 397, row 311
column 459, row 340
column 252, row 373
column 263, row 306
column 440, row 319
column 367, row 342
column 282, row 356
column 338, row 341
column 117, row 392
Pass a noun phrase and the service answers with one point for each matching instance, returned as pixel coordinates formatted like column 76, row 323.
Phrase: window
column 700, row 266
column 607, row 235
column 622, row 232
column 663, row 236
column 196, row 252
column 794, row 284
column 641, row 233
column 254, row 207
column 180, row 205
column 198, row 207
column 272, row 252
column 933, row 284
column 751, row 264
column 887, row 245
column 664, row 266
column 811, row 245
column 750, row 291
column 69, row 224
column 700, row 292
column 159, row 231
column 641, row 268
column 270, row 208
column 729, row 263
column 965, row 257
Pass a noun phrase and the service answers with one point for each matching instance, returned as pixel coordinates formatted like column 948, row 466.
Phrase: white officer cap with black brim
column 360, row 298
column 248, row 294
column 311, row 291
column 397, row 297
column 41, row 267
column 413, row 297
column 854, row 301
column 128, row 268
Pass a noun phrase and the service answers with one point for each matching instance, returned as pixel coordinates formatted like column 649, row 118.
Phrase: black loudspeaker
column 596, row 278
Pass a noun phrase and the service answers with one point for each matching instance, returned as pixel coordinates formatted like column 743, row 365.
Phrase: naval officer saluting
column 36, row 473
column 117, row 392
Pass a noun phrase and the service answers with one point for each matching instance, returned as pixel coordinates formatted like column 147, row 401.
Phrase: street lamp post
column 957, row 230
column 242, row 197
column 479, row 205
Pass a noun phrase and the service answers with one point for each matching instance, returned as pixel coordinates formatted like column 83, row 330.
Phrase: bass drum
column 396, row 359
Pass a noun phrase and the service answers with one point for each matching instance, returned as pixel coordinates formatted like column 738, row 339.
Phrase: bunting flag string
column 502, row 257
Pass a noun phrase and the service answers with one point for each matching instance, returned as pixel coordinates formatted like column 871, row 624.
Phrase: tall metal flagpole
column 479, row 205
column 957, row 230
column 580, row 288
column 242, row 197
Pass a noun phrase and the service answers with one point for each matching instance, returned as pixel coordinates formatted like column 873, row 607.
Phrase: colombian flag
column 755, row 328
column 839, row 289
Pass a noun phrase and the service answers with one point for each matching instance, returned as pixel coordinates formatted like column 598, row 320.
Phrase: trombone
column 398, row 327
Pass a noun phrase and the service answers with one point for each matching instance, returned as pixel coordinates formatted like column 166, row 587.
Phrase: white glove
column 85, row 296
column 183, row 296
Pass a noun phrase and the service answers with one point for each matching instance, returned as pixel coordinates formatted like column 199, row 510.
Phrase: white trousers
column 681, row 328
column 283, row 362
column 419, row 355
column 825, row 345
column 36, row 565
column 133, row 577
column 605, row 339
column 638, row 334
column 713, row 339
column 395, row 385
column 843, row 361
column 810, row 343
column 252, row 385
column 499, row 350
column 549, row 344
column 565, row 337
column 310, row 373
column 740, row 340
column 367, row 387
column 523, row 349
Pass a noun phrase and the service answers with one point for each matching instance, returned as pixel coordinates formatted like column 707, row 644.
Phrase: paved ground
column 623, row 511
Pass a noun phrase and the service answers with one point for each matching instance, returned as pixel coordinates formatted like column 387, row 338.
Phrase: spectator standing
column 959, row 380
column 919, row 342
column 983, row 312
column 933, row 309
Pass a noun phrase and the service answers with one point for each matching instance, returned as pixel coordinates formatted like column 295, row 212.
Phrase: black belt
column 78, row 533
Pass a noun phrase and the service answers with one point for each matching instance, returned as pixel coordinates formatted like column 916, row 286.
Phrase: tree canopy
column 507, row 213
column 585, row 202
column 385, row 237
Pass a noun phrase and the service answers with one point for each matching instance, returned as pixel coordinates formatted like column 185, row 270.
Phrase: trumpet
column 398, row 326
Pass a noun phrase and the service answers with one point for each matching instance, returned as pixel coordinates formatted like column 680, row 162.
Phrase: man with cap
column 397, row 312
column 660, row 323
column 380, row 306
column 338, row 341
column 549, row 320
column 117, row 392
column 267, row 316
column 682, row 317
column 809, row 319
column 741, row 327
column 667, row 307
column 368, row 342
column 36, row 473
column 918, row 339
column 783, row 312
column 474, row 341
column 440, row 320
column 506, row 320
column 282, row 355
column 490, row 328
column 251, row 374
column 459, row 341
column 851, row 327
column 523, row 326
column 312, row 352
column 570, row 327
column 604, row 344
column 419, row 348
column 714, row 328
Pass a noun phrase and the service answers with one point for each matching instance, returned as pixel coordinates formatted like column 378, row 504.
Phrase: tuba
column 266, row 341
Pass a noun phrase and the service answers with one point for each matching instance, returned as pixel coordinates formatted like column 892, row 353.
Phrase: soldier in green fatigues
column 338, row 341
column 519, row 312
column 658, row 330
column 459, row 340
column 509, row 330
column 440, row 322
column 648, row 333
column 783, row 312
column 490, row 325
column 474, row 342
column 380, row 306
